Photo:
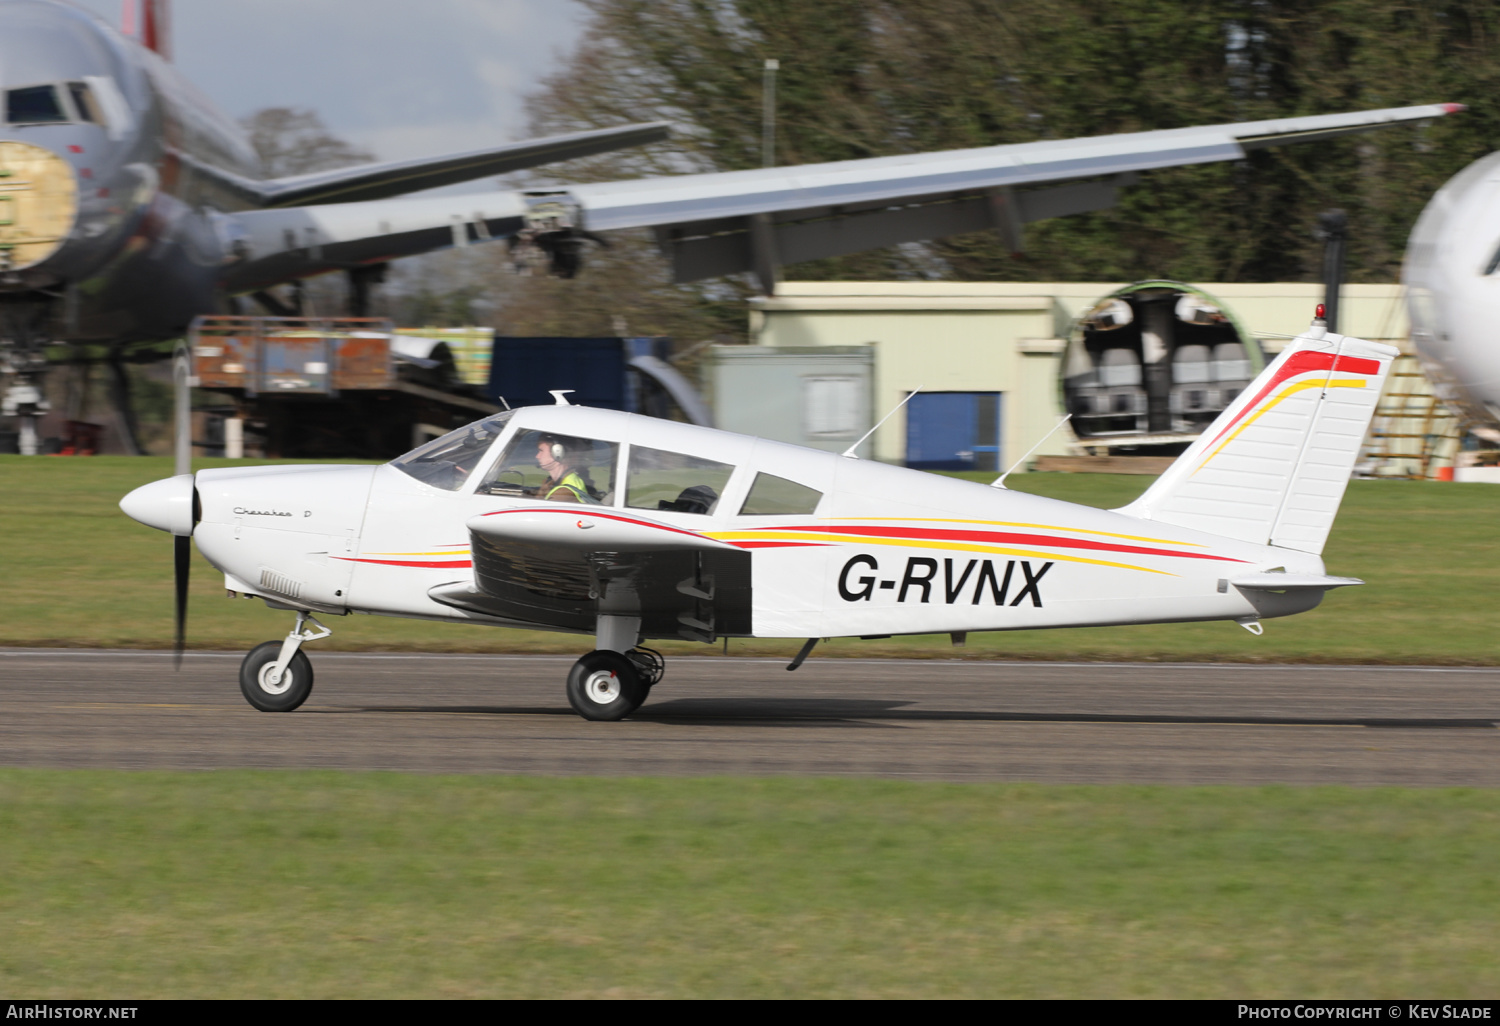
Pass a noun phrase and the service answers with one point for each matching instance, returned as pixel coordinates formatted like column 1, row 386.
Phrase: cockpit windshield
column 55, row 104
column 34, row 105
column 448, row 461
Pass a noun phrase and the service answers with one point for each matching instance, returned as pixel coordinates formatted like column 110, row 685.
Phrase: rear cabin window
column 674, row 481
column 772, row 496
column 555, row 468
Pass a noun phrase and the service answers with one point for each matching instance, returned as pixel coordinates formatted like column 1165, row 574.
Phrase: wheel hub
column 280, row 688
column 602, row 687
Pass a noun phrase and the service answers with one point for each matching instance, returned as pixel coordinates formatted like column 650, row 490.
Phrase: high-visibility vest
column 572, row 487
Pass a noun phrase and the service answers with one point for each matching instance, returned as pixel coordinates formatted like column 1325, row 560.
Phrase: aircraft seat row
column 1204, row 380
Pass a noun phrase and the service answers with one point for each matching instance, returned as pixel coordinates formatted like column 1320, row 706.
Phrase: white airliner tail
column 1273, row 467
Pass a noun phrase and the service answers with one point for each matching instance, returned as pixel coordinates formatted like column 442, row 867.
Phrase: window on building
column 831, row 407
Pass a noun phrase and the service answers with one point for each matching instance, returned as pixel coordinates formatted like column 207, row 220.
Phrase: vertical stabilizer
column 148, row 21
column 1273, row 467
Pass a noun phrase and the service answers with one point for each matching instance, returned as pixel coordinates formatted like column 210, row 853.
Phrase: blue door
column 953, row 431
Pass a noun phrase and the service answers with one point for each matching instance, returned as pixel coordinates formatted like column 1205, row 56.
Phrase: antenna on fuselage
column 999, row 482
column 849, row 452
column 560, row 396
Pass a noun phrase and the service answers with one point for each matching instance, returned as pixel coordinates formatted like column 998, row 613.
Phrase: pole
column 768, row 113
column 1333, row 226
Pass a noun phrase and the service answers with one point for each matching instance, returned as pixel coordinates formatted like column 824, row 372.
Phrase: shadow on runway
column 858, row 712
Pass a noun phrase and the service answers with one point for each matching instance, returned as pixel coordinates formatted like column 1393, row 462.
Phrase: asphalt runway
column 904, row 719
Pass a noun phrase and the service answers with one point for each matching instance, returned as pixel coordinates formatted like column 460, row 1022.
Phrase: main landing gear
column 277, row 676
column 612, row 681
column 612, row 685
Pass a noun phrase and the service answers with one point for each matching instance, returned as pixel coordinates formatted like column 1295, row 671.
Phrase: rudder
column 1273, row 467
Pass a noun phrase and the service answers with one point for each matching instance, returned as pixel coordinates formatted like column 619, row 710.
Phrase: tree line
column 866, row 78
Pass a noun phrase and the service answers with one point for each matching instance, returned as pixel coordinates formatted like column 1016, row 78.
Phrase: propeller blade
column 182, row 552
column 182, row 445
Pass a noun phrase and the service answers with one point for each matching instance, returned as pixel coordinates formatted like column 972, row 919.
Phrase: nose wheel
column 279, row 695
column 606, row 685
column 277, row 676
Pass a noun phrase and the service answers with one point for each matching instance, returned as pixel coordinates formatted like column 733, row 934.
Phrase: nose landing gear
column 276, row 676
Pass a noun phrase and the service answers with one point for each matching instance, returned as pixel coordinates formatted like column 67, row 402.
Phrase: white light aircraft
column 630, row 528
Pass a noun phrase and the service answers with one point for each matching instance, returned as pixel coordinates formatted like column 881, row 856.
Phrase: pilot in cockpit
column 563, row 483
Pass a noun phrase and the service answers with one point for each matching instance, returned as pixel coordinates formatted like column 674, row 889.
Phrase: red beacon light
column 1318, row 313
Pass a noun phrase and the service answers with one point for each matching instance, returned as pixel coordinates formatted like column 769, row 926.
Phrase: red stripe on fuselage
column 426, row 564
column 1002, row 538
column 574, row 511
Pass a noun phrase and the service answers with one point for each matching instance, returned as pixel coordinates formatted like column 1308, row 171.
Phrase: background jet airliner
column 1452, row 275
column 132, row 204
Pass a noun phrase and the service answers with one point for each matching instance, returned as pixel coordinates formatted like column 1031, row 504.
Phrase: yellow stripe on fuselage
column 845, row 539
column 1034, row 527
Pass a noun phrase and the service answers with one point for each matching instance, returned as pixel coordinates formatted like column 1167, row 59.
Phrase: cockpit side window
column 84, row 103
column 34, row 105
column 447, row 462
column 674, row 481
column 1494, row 263
column 555, row 468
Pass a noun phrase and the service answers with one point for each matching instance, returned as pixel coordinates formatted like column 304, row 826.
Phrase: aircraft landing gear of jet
column 276, row 676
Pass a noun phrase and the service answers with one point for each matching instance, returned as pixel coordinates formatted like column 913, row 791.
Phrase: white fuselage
column 885, row 550
column 1452, row 275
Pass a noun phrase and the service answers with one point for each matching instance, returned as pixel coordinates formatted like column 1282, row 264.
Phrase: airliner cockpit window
column 448, row 461
column 84, row 103
column 34, row 105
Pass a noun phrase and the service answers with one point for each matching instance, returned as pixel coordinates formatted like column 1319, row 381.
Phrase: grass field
column 79, row 573
column 262, row 884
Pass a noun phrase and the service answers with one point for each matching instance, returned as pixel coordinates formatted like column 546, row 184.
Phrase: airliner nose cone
column 166, row 505
column 41, row 203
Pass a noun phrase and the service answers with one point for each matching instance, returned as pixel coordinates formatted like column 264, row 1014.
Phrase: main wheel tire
column 605, row 686
column 296, row 683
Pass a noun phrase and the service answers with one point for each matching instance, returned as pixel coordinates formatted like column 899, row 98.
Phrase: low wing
column 563, row 566
column 724, row 223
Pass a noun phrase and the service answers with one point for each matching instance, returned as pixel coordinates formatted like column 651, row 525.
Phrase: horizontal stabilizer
column 1272, row 469
column 1288, row 582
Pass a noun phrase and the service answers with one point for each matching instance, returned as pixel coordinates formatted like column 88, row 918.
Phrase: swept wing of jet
column 728, row 222
column 395, row 177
